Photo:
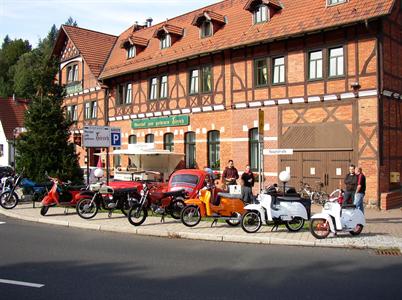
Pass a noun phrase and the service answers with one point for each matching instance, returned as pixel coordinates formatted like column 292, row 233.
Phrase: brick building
column 326, row 73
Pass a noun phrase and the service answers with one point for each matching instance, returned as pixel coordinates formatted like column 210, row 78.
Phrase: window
column 149, row 138
column 333, row 2
column 206, row 29
column 194, row 82
column 166, row 41
column 336, row 62
column 278, row 70
column 168, row 143
column 253, row 149
column 132, row 139
column 90, row 110
column 158, row 87
column 189, row 146
column 72, row 112
column 205, row 85
column 315, row 64
column 1, row 150
column 124, row 93
column 72, row 73
column 261, row 14
column 116, row 158
column 131, row 52
column 214, row 149
column 261, row 72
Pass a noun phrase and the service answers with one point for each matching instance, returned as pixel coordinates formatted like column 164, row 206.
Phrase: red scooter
column 62, row 195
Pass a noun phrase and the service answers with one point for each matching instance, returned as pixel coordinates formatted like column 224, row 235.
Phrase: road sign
column 115, row 136
column 278, row 151
column 96, row 136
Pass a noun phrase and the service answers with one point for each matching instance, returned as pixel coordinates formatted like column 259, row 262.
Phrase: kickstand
column 275, row 227
column 163, row 218
column 109, row 214
column 66, row 210
column 215, row 221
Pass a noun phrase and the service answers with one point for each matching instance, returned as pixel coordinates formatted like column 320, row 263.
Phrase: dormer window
column 131, row 52
column 72, row 73
column 166, row 41
column 261, row 14
column 206, row 29
column 209, row 22
column 334, row 2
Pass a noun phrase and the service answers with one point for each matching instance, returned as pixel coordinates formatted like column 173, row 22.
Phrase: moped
column 223, row 206
column 273, row 208
column 159, row 202
column 63, row 195
column 102, row 196
column 336, row 218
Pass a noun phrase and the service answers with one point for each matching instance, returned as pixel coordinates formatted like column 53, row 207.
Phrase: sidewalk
column 383, row 229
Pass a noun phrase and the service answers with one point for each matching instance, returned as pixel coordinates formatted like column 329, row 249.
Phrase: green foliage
column 71, row 22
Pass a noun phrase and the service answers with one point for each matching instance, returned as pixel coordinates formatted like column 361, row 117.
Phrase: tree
column 71, row 22
column 45, row 147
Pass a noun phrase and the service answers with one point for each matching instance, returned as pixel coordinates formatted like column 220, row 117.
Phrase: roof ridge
column 86, row 29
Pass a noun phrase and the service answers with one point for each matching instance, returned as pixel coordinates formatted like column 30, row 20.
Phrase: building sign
column 171, row 121
column 278, row 151
column 115, row 135
column 96, row 136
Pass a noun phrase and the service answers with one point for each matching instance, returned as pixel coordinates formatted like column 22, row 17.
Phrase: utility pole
column 261, row 124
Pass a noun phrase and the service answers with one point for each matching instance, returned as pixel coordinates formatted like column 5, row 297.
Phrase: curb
column 247, row 239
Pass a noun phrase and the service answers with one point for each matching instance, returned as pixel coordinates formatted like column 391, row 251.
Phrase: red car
column 190, row 180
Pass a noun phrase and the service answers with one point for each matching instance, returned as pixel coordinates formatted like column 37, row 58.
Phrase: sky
column 32, row 19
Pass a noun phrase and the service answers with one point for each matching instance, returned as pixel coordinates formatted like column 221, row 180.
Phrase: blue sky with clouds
column 32, row 19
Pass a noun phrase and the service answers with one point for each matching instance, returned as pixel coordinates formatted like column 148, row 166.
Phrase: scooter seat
column 289, row 198
column 174, row 193
column 125, row 191
column 229, row 196
column 349, row 206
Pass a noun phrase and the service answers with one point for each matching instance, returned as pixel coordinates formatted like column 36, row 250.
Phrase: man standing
column 230, row 174
column 351, row 185
column 247, row 189
column 361, row 189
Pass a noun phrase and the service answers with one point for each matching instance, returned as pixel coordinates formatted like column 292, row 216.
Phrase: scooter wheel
column 8, row 200
column 234, row 222
column 319, row 228
column 251, row 222
column 176, row 207
column 43, row 210
column 137, row 215
column 357, row 231
column 86, row 208
column 295, row 225
column 191, row 215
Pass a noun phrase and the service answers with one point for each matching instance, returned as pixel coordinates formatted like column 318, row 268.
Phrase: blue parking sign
column 115, row 136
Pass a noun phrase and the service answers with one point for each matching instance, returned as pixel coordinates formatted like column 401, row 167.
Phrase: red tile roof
column 94, row 46
column 252, row 3
column 168, row 28
column 209, row 15
column 12, row 114
column 295, row 17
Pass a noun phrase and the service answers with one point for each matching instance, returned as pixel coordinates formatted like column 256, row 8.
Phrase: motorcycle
column 105, row 197
column 159, row 202
column 9, row 198
column 336, row 218
column 61, row 195
column 224, row 206
column 288, row 209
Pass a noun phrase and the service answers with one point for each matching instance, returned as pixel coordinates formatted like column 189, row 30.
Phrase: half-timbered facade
column 326, row 73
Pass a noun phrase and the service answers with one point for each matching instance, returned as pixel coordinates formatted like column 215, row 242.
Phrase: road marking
column 29, row 284
column 2, row 223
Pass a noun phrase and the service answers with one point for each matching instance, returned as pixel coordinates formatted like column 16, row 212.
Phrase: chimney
column 149, row 22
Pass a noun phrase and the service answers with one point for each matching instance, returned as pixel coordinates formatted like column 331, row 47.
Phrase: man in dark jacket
column 361, row 189
column 351, row 185
column 247, row 179
column 230, row 174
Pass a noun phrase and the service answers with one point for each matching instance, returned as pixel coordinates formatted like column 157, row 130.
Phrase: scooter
column 224, row 206
column 288, row 209
column 160, row 203
column 336, row 218
column 102, row 196
column 62, row 195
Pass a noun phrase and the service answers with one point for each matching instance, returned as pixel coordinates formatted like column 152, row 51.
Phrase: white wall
column 4, row 159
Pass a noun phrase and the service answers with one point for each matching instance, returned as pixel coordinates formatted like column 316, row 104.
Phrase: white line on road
column 34, row 285
column 2, row 223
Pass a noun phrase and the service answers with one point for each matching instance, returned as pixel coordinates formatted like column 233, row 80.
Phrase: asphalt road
column 83, row 264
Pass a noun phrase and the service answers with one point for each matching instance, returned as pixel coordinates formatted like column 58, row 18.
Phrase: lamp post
column 15, row 130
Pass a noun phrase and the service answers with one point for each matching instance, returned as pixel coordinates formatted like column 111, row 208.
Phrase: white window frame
column 203, row 29
column 128, row 93
column 336, row 61
column 166, row 41
column 315, row 65
column 278, row 70
column 261, row 14
column 335, row 2
column 194, row 82
column 131, row 52
column 163, row 87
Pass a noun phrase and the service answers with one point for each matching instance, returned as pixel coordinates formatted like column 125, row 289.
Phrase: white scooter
column 290, row 210
column 335, row 218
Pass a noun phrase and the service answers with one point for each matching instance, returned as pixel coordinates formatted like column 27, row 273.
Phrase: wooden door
column 314, row 168
column 291, row 163
column 337, row 167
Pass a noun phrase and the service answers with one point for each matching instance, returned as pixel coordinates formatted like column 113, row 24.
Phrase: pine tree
column 45, row 147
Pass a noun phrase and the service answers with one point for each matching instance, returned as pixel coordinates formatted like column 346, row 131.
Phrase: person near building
column 361, row 189
column 247, row 179
column 351, row 185
column 230, row 174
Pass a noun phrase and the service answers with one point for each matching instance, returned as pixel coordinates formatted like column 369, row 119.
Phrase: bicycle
column 316, row 196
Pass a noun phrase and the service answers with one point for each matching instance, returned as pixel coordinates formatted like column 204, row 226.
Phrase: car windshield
column 186, row 179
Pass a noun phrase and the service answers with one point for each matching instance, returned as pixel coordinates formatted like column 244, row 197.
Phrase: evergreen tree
column 45, row 147
column 71, row 22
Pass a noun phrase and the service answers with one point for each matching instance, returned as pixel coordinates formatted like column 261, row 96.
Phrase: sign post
column 261, row 124
column 115, row 136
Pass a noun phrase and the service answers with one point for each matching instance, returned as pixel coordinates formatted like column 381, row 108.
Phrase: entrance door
column 328, row 168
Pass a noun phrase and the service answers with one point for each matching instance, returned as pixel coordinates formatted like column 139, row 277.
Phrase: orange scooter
column 223, row 206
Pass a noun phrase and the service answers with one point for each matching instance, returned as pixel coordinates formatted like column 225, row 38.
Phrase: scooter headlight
column 142, row 193
column 327, row 205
